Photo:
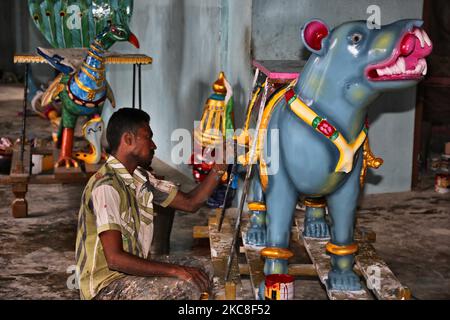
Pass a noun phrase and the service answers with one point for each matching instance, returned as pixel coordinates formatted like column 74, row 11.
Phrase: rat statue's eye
column 356, row 37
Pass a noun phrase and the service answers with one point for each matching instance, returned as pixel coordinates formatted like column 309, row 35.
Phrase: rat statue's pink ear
column 313, row 33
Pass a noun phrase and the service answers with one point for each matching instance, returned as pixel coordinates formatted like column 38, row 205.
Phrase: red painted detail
column 133, row 40
column 314, row 32
column 278, row 278
column 409, row 49
column 288, row 95
column 274, row 284
column 326, row 128
column 408, row 44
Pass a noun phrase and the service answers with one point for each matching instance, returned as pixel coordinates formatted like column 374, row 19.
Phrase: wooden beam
column 19, row 205
column 220, row 243
column 20, row 171
column 200, row 232
column 255, row 263
column 384, row 284
column 321, row 261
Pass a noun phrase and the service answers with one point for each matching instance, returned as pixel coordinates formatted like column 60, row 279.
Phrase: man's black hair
column 124, row 120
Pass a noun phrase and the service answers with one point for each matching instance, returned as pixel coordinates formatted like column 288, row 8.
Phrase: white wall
column 191, row 41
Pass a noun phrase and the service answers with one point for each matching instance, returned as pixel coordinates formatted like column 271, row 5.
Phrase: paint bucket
column 279, row 287
column 442, row 183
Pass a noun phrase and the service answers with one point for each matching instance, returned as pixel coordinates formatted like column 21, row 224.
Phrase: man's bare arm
column 119, row 260
column 192, row 201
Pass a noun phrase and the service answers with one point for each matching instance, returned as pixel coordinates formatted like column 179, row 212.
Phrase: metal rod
column 246, row 183
column 233, row 168
column 24, row 117
column 224, row 205
column 134, row 83
column 140, row 91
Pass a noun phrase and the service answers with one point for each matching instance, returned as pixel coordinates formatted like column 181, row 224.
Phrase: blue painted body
column 97, row 63
column 339, row 82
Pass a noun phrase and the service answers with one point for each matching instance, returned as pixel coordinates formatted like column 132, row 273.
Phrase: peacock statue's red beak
column 133, row 40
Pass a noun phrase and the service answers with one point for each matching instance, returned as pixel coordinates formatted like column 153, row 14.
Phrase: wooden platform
column 377, row 279
column 21, row 171
column 21, row 175
column 220, row 243
column 380, row 282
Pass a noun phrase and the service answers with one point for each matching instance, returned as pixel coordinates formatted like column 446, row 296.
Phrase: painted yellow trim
column 89, row 158
column 250, row 107
column 219, row 85
column 243, row 139
column 96, row 42
column 276, row 253
column 207, row 139
column 217, row 120
column 257, row 206
column 28, row 59
column 243, row 160
column 263, row 174
column 208, row 123
column 346, row 151
column 341, row 250
column 316, row 203
column 95, row 155
column 98, row 70
column 53, row 90
column 93, row 55
column 369, row 161
column 93, row 47
column 213, row 114
column 129, row 59
column 403, row 293
column 97, row 80
column 303, row 111
column 84, row 88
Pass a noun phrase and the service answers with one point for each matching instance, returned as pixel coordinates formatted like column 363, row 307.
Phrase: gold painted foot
column 67, row 162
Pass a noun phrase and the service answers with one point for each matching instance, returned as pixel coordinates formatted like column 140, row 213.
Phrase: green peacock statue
column 96, row 24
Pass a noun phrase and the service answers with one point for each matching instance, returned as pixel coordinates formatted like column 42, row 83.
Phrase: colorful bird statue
column 82, row 91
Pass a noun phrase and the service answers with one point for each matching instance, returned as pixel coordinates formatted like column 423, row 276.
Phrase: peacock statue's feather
column 76, row 23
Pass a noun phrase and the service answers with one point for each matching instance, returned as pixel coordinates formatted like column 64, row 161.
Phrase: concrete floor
column 36, row 253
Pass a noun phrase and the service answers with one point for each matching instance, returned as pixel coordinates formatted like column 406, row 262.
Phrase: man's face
column 143, row 146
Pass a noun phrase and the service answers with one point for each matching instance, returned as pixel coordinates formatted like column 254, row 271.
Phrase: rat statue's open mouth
column 407, row 61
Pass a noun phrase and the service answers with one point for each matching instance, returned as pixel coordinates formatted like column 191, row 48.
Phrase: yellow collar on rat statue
column 346, row 151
